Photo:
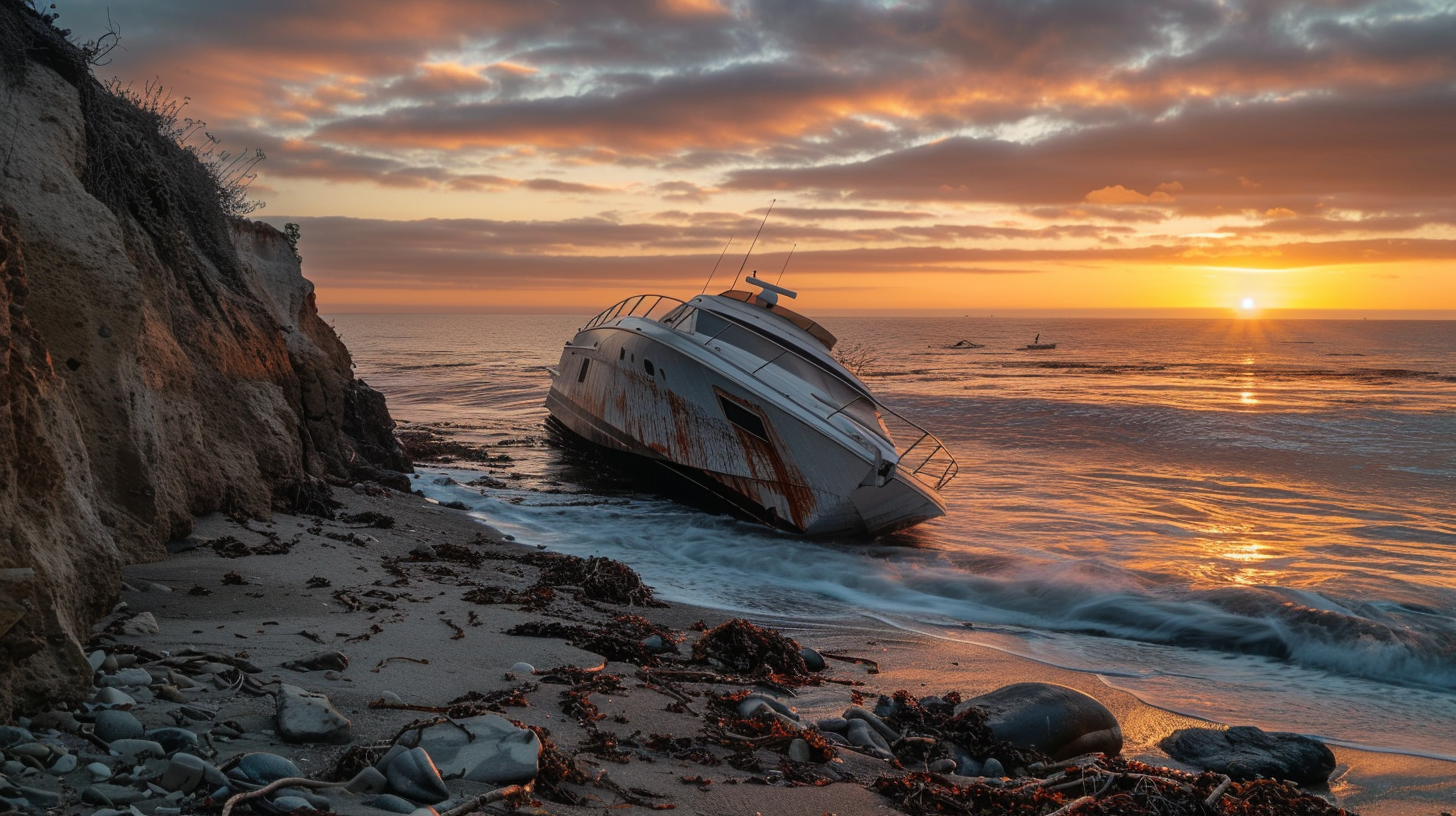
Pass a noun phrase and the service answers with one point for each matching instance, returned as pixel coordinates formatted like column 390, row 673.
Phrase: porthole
column 648, row 367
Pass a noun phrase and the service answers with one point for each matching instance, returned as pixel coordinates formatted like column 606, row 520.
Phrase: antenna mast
column 786, row 264
column 715, row 266
column 755, row 240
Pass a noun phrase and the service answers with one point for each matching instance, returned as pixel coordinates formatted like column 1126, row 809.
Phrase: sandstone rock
column 1245, row 752
column 1056, row 720
column 143, row 624
column 306, row 716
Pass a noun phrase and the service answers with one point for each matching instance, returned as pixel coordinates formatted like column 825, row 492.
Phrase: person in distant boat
column 1037, row 340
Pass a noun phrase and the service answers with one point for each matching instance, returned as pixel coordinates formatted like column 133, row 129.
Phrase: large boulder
column 488, row 749
column 1245, row 752
column 307, row 716
column 1055, row 720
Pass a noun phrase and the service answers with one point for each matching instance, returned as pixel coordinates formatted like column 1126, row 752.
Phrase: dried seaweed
column 744, row 648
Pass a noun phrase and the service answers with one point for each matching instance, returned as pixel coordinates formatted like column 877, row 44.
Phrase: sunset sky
column 482, row 155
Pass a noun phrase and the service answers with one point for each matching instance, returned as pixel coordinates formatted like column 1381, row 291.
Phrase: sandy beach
column 387, row 590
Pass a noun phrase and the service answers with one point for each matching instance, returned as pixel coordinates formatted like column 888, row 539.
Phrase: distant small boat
column 1038, row 345
column 965, row 344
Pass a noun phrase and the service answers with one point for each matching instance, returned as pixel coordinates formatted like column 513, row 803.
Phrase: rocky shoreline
column 403, row 657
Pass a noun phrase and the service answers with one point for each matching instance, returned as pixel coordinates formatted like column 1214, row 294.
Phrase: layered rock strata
column 158, row 359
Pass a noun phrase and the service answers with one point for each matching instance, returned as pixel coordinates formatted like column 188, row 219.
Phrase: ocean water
column 1249, row 521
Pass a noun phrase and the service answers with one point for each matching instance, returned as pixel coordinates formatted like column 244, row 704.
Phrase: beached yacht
column 742, row 396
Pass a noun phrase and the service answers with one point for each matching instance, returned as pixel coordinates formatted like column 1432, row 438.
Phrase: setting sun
column 1247, row 304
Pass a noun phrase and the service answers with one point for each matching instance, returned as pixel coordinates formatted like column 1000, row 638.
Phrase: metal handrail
column 620, row 309
column 937, row 449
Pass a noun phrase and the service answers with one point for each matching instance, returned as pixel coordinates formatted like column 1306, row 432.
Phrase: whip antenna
column 755, row 241
column 715, row 266
column 786, row 264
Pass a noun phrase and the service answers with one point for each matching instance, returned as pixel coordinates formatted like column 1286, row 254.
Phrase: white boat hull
column 728, row 433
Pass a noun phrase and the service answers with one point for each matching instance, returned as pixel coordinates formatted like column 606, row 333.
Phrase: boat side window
column 648, row 367
column 622, row 353
column 707, row 323
column 749, row 341
column 743, row 418
column 581, row 375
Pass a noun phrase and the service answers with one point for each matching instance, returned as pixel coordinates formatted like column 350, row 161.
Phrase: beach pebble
column 172, row 695
column 886, row 732
column 183, row 773
column 108, row 795
column 487, row 748
column 306, row 716
column 99, row 772
column 14, row 735
column 34, row 750
column 1056, row 720
column 861, row 734
column 522, row 668
column 39, row 797
column 112, row 725
column 288, row 804
column 799, row 751
column 96, row 658
column 942, row 766
column 312, row 799
column 173, row 739
column 836, row 725
column 261, row 768
column 992, row 767
column 144, row 623
column 64, row 764
column 813, row 661
column 319, row 661
column 137, row 748
column 128, row 677
column 412, row 774
column 1245, row 752
column 369, row 780
column 113, row 698
column 654, row 644
column 392, row 804
column 56, row 720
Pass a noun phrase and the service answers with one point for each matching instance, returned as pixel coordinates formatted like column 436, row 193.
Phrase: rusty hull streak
column 784, row 481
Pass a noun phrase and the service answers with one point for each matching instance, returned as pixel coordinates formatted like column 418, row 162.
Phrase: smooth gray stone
column 369, row 780
column 39, row 797
column 313, row 799
column 131, row 677
column 886, row 732
column 144, row 623
column 110, row 698
column 65, row 764
column 112, row 795
column 137, row 748
column 864, row 735
column 393, row 804
column 412, row 774
column 1056, row 720
column 12, row 768
column 799, row 751
column 173, row 739
column 837, row 725
column 261, row 768
column 96, row 658
column 942, row 766
column 813, row 661
column 1245, row 752
column 654, row 643
column 288, row 804
column 522, row 668
column 34, row 750
column 306, row 716
column 184, row 773
column 99, row 772
column 487, row 748
column 112, row 725
column 992, row 767
column 14, row 735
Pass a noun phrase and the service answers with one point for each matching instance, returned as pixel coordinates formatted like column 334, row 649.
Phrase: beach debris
column 308, row 716
column 319, row 661
column 1245, row 752
column 745, row 648
column 1058, row 721
column 368, row 518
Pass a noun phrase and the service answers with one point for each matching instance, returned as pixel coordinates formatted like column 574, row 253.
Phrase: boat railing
column 636, row 306
column 927, row 458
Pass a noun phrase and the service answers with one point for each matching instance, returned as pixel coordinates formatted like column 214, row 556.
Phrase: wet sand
column 408, row 632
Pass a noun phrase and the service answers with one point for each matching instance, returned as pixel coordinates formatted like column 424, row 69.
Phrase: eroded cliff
column 158, row 360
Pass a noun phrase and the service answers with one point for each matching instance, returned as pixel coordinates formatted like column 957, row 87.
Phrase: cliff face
column 157, row 360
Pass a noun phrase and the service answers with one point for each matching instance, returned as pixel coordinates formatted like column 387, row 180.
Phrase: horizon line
column 1089, row 313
